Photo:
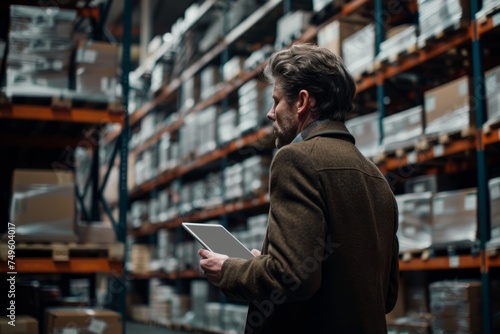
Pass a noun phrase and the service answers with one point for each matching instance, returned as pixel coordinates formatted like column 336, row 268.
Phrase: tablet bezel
column 186, row 227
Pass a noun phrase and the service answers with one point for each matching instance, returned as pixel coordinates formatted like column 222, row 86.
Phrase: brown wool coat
column 329, row 262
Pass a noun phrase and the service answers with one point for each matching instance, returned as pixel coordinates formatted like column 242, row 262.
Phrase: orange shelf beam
column 144, row 276
column 74, row 115
column 441, row 263
column 493, row 261
column 492, row 137
column 75, row 266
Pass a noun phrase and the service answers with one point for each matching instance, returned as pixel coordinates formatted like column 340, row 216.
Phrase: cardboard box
column 454, row 217
column 96, row 232
column 233, row 68
column 209, row 81
column 227, row 127
column 333, row 34
column 97, row 54
column 96, row 84
column 358, row 50
column 448, row 108
column 494, row 189
column 290, row 27
column 140, row 258
column 366, row 131
column 415, row 221
column 23, row 325
column 83, row 320
column 402, row 130
column 398, row 40
column 492, row 82
column 43, row 205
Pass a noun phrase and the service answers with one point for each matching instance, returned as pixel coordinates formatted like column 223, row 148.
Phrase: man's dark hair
column 317, row 70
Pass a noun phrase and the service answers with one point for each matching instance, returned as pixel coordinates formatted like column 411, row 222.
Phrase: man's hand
column 211, row 264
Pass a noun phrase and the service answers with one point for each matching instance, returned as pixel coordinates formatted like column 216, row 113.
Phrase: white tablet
column 217, row 239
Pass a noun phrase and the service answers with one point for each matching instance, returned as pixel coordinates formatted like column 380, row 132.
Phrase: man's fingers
column 255, row 252
column 204, row 253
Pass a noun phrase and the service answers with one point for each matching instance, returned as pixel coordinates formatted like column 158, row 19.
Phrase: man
column 329, row 263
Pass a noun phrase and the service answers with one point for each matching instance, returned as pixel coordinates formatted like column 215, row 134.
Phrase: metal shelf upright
column 482, row 170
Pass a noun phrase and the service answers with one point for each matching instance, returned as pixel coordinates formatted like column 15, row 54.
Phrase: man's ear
column 304, row 102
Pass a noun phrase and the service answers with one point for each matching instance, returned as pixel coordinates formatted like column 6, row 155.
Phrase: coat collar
column 327, row 128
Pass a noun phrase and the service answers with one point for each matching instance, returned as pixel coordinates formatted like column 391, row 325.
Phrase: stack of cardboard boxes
column 456, row 306
column 435, row 16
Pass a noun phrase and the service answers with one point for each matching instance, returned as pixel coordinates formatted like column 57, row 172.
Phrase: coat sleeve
column 291, row 268
column 392, row 291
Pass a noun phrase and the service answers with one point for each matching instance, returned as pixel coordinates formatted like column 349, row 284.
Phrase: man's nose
column 270, row 114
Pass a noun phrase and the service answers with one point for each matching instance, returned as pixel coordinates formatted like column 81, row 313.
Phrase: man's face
column 285, row 119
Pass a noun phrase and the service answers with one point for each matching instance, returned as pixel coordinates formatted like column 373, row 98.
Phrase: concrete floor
column 137, row 328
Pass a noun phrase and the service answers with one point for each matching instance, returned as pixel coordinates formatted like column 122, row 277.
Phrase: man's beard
column 284, row 137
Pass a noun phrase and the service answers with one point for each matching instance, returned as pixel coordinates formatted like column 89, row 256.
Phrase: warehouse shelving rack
column 60, row 127
column 476, row 141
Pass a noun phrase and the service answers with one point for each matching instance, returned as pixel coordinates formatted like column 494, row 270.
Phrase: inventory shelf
column 236, row 33
column 48, row 113
column 165, row 92
column 386, row 71
column 180, row 170
column 218, row 211
column 73, row 266
column 441, row 263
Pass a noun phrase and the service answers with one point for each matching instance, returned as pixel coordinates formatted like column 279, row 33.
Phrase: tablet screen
column 217, row 239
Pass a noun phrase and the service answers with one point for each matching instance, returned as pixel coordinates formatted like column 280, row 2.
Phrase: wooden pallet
column 397, row 57
column 491, row 125
column 466, row 132
column 65, row 251
column 485, row 15
column 465, row 247
column 441, row 34
column 407, row 256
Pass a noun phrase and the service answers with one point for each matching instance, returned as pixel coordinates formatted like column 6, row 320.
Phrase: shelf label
column 470, row 203
column 496, row 19
column 438, row 151
column 454, row 261
column 412, row 157
column 97, row 326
